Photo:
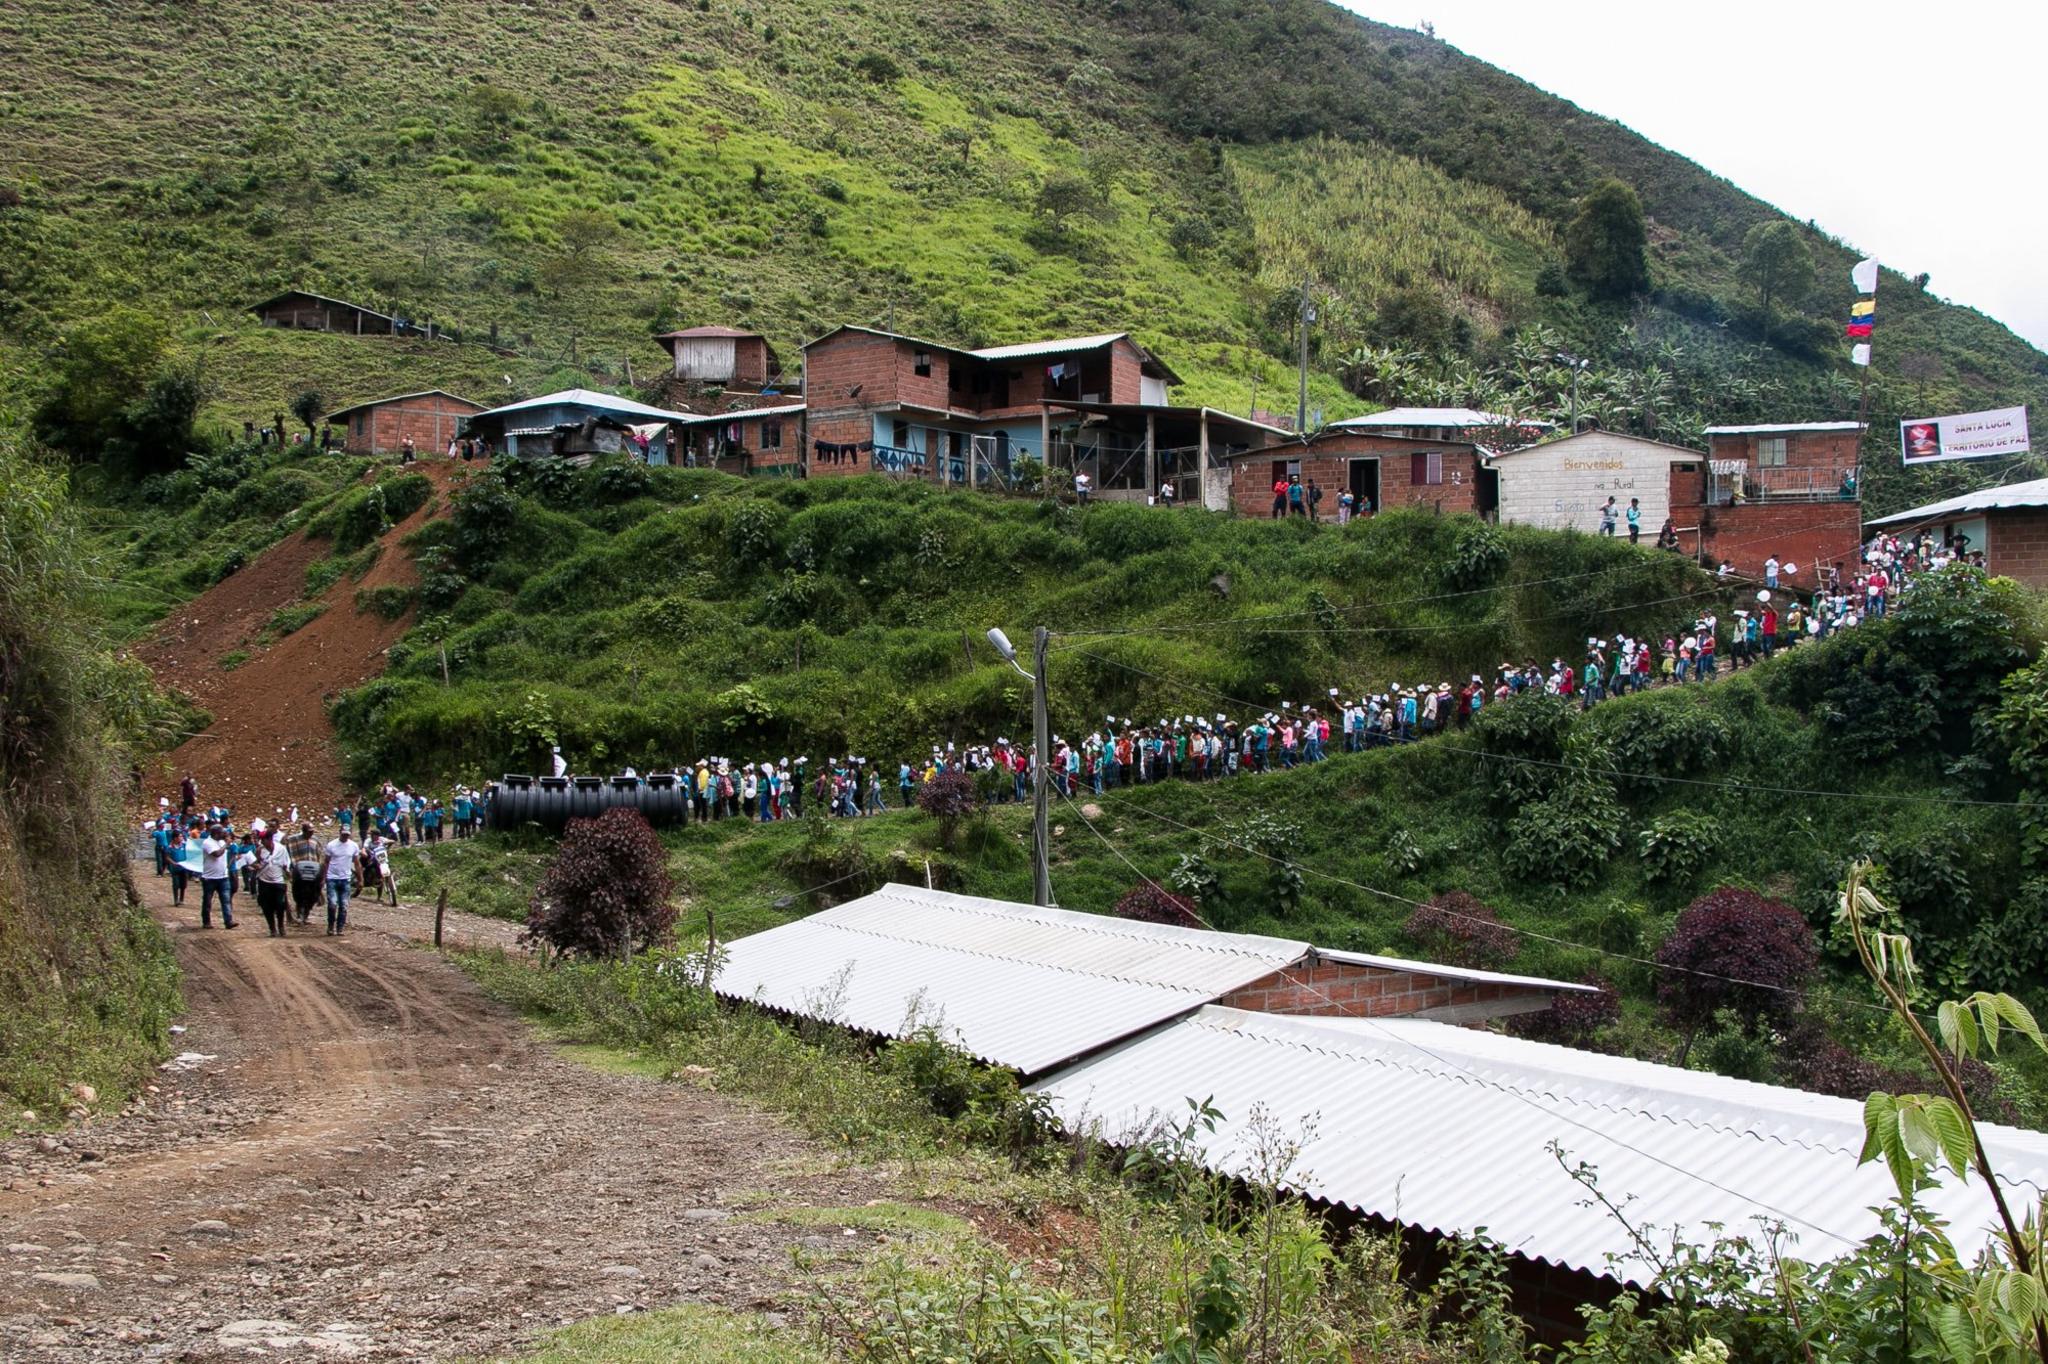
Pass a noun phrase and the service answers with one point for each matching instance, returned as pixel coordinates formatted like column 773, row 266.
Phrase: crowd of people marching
column 290, row 872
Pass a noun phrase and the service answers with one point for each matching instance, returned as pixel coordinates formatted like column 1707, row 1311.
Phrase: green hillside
column 576, row 177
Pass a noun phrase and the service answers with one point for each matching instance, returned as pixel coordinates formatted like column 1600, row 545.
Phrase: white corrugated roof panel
column 1015, row 985
column 1433, row 416
column 586, row 397
column 2032, row 493
column 1773, row 428
column 1443, row 972
column 1064, row 345
column 1449, row 1129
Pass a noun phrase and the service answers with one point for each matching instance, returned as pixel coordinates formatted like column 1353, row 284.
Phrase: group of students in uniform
column 287, row 873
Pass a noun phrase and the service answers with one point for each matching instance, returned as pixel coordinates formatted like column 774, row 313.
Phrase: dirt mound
column 271, row 745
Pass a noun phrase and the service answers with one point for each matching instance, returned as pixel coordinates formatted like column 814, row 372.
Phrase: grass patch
column 288, row 620
column 322, row 574
column 233, row 659
column 389, row 602
column 690, row 1334
column 893, row 1217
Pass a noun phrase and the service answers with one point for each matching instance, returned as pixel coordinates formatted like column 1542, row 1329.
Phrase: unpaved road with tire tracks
column 376, row 1161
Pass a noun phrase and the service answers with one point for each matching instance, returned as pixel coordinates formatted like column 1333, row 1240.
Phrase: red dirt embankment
column 270, row 744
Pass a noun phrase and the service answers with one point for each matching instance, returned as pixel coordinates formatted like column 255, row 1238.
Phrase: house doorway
column 1486, row 497
column 1363, row 481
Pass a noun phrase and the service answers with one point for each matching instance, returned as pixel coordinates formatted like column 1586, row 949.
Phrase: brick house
column 2009, row 524
column 759, row 440
column 380, row 426
column 1786, row 489
column 882, row 402
column 1381, row 471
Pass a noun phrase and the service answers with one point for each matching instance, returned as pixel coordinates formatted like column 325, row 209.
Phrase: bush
column 1149, row 904
column 1566, row 839
column 1572, row 1019
column 1738, row 951
column 948, row 797
column 1455, row 927
column 1527, row 734
column 1678, row 845
column 389, row 601
column 607, row 889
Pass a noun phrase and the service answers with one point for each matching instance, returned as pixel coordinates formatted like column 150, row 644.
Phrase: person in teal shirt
column 1635, row 519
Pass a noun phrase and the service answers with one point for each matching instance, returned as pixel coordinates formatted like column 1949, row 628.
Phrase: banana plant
column 2005, row 1317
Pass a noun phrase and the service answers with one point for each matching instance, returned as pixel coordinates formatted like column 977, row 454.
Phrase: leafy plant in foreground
column 607, row 891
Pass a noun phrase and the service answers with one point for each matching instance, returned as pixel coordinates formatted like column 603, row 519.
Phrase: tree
column 1738, row 951
column 1606, row 244
column 1777, row 264
column 582, row 251
column 101, row 365
column 949, row 798
column 309, row 406
column 607, row 890
column 716, row 134
column 1415, row 317
column 1064, row 194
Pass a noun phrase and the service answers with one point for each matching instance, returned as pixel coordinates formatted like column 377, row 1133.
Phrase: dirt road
column 368, row 1158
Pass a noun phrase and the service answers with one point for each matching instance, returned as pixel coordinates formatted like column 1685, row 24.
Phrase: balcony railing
column 1732, row 481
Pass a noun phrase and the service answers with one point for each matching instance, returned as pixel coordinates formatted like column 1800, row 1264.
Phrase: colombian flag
column 1862, row 317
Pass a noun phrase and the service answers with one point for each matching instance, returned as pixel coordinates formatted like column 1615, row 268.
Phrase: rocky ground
column 359, row 1155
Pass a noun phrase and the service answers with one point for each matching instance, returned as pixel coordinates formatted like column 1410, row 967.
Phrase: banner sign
column 1970, row 435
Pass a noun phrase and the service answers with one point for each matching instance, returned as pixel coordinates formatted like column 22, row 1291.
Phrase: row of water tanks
column 551, row 802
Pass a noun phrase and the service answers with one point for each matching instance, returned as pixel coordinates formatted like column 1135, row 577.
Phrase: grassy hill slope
column 578, row 176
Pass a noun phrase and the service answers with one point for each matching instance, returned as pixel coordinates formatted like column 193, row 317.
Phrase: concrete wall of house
column 1333, row 988
column 1328, row 462
column 432, row 421
column 1563, row 485
column 2018, row 545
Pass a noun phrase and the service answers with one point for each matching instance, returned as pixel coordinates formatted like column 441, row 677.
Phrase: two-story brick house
column 879, row 401
column 1787, row 490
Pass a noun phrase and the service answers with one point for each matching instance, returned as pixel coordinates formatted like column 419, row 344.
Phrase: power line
column 1375, row 1024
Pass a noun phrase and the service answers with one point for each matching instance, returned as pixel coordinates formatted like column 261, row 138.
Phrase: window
column 1770, row 452
column 1426, row 468
column 900, row 435
column 771, row 433
column 921, row 364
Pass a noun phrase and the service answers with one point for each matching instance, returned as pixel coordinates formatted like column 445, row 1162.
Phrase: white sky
column 1914, row 133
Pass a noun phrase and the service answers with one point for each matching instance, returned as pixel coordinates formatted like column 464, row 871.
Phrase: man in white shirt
column 213, row 878
column 337, row 867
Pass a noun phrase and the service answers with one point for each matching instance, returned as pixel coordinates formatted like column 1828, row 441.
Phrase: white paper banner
column 1968, row 435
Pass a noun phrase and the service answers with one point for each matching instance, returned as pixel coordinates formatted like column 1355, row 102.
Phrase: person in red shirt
column 1279, row 498
column 1770, row 628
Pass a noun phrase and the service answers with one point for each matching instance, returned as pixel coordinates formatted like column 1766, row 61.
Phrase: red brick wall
column 925, row 390
column 750, row 361
column 1341, row 988
column 838, row 364
column 845, row 429
column 1809, row 534
column 1327, row 462
column 381, row 428
column 2018, row 545
column 1126, row 370
column 789, row 450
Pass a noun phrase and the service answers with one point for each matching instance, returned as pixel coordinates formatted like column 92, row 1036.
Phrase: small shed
column 380, row 426
column 573, row 422
column 302, row 311
column 722, row 356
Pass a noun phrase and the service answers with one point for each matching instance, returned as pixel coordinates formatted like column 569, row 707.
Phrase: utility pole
column 1041, row 804
column 1041, row 745
column 1308, row 315
column 1577, row 365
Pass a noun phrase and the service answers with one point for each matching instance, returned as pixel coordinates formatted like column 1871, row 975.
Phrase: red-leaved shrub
column 607, row 891
column 949, row 798
column 1737, row 950
column 1149, row 904
column 1572, row 1019
column 1455, row 928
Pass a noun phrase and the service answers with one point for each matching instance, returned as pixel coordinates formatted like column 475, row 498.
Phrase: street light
column 1041, row 735
column 1577, row 366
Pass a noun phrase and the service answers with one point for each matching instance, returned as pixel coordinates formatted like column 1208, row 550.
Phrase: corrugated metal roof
column 1773, row 427
column 1015, row 985
column 1442, row 972
column 2032, row 493
column 1024, row 350
column 739, row 414
column 710, row 333
column 1449, row 1129
column 1433, row 416
column 585, row 397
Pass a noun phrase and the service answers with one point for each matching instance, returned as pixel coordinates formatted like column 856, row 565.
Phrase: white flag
column 1864, row 276
column 1859, row 354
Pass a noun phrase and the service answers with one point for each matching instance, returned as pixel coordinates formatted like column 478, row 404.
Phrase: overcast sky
column 1912, row 133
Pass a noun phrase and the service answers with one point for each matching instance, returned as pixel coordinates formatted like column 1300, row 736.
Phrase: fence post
column 440, row 912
